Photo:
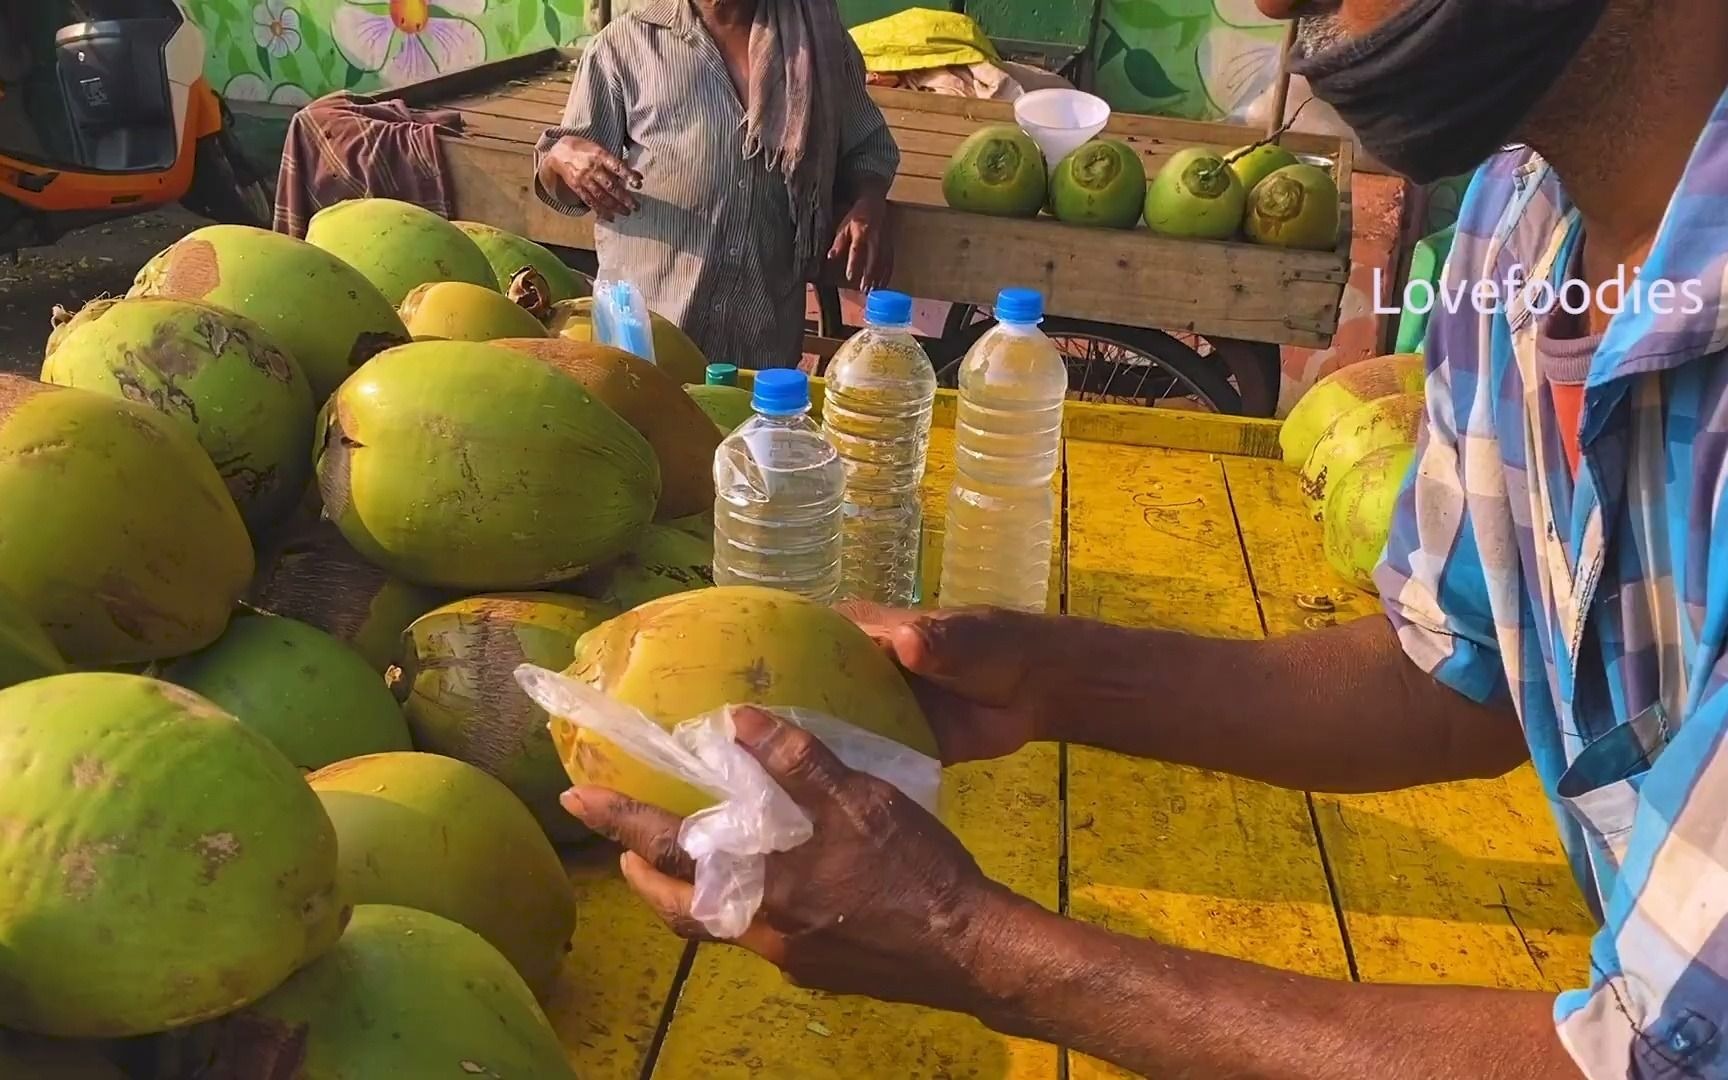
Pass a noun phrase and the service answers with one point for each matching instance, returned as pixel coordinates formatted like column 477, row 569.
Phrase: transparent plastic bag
column 621, row 318
column 753, row 818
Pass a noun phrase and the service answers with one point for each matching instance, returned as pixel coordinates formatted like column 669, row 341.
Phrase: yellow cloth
column 921, row 38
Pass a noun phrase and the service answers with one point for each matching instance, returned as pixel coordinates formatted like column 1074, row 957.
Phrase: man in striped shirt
column 729, row 149
column 1554, row 586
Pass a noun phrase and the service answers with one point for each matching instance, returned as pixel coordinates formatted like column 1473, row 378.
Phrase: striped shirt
column 1596, row 603
column 711, row 245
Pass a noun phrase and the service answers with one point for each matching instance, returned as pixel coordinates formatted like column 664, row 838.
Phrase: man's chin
column 1317, row 35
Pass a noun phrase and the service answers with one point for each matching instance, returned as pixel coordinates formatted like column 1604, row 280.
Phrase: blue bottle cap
column 1020, row 307
column 886, row 308
column 722, row 375
column 781, row 392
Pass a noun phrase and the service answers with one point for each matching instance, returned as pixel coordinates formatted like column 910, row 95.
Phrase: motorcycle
column 105, row 113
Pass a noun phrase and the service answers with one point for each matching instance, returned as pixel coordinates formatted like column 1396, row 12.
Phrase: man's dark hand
column 881, row 901
column 974, row 670
column 862, row 249
column 593, row 174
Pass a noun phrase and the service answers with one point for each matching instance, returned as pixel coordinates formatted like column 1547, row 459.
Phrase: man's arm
column 1167, row 1012
column 883, row 901
column 1341, row 709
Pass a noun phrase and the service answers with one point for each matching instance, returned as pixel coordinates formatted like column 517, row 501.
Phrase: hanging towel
column 347, row 147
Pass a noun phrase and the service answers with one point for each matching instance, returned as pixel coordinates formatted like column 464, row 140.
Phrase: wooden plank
column 1458, row 883
column 1231, row 290
column 1191, row 858
column 738, row 1018
column 610, row 999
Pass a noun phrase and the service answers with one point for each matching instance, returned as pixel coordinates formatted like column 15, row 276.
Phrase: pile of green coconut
column 282, row 523
column 1261, row 192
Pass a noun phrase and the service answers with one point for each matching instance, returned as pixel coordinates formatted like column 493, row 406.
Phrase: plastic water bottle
column 1007, row 447
column 777, row 489
column 876, row 412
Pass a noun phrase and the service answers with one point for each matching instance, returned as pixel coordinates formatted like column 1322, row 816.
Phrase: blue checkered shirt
column 1597, row 604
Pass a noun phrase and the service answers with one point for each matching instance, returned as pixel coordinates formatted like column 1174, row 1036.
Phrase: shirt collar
column 1688, row 317
column 670, row 14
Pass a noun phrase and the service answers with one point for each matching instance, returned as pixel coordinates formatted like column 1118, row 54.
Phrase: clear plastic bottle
column 1007, row 447
column 777, row 489
column 881, row 387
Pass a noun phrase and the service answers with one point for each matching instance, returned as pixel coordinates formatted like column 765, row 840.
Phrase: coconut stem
column 1236, row 155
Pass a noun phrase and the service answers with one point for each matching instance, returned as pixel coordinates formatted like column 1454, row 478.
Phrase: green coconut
column 997, row 170
column 398, row 246
column 1195, row 195
column 1295, row 207
column 1252, row 164
column 1101, row 183
column 440, row 835
column 701, row 526
column 317, row 699
column 458, row 689
column 664, row 561
column 323, row 311
column 26, row 651
column 467, row 466
column 1360, row 506
column 510, row 254
column 1339, row 392
column 405, row 995
column 119, row 537
column 220, row 373
column 316, row 577
column 1389, row 421
column 458, row 311
column 163, row 862
column 727, row 406
column 65, row 321
column 650, row 401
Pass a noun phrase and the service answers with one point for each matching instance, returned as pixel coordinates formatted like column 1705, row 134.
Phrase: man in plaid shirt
column 1555, row 589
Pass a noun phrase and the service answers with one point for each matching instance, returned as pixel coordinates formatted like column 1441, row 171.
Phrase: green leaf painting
column 290, row 51
column 1196, row 59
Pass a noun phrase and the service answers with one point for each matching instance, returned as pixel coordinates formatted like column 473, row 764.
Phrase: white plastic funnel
column 1060, row 121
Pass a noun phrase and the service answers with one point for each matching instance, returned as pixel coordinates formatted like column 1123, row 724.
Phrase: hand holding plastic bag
column 754, row 817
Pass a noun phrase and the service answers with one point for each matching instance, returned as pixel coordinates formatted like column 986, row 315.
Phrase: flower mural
column 276, row 26
column 287, row 52
column 405, row 41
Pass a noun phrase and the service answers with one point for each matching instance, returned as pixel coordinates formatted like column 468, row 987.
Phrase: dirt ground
column 99, row 261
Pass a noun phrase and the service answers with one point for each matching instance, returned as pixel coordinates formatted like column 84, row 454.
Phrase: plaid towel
column 347, row 147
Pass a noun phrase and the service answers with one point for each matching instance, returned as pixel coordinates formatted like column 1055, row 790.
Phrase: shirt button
column 742, row 184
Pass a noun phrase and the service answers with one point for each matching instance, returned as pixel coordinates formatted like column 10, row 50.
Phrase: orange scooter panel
column 73, row 191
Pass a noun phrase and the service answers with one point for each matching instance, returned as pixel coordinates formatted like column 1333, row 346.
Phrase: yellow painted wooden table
column 1171, row 520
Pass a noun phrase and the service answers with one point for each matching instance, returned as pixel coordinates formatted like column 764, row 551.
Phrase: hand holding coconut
column 593, row 174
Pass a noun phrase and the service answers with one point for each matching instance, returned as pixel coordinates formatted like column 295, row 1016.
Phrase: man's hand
column 861, row 247
column 881, row 901
column 974, row 670
column 593, row 174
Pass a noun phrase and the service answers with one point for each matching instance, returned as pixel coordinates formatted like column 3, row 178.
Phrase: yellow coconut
column 690, row 654
column 459, row 311
column 673, row 349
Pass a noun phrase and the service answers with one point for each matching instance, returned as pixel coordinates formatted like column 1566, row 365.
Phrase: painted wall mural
column 288, row 52
column 1194, row 59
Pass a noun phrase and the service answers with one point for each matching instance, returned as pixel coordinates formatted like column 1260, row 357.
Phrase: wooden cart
column 1206, row 312
column 1173, row 520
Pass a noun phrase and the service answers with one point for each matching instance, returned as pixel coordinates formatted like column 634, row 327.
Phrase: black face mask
column 1442, row 84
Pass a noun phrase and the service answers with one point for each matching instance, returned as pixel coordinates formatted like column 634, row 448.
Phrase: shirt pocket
column 1600, row 789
